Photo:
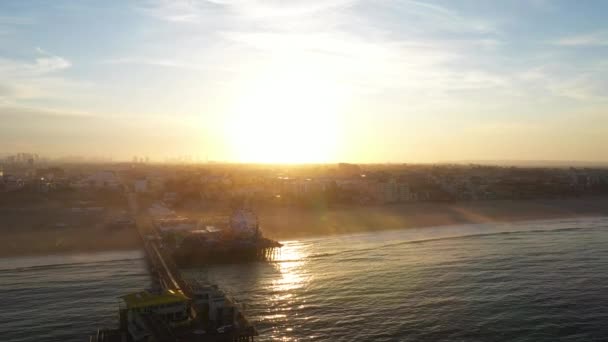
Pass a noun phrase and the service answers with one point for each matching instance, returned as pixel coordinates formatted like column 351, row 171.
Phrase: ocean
column 65, row 298
column 527, row 281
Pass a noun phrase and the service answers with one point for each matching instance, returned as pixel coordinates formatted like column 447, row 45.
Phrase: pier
column 176, row 310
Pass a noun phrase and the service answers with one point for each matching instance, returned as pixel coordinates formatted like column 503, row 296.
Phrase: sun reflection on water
column 291, row 265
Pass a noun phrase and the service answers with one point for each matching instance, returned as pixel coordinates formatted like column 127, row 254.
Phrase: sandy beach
column 39, row 224
column 284, row 223
column 66, row 240
column 291, row 223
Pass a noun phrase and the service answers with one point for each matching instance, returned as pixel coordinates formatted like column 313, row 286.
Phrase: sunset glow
column 286, row 116
column 305, row 81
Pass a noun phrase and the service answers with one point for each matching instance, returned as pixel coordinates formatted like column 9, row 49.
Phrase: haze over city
column 305, row 81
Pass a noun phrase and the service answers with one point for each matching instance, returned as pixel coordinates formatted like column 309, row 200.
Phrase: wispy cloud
column 438, row 18
column 195, row 11
column 277, row 8
column 584, row 86
column 13, row 110
column 587, row 39
column 177, row 11
column 334, row 35
column 36, row 78
column 416, row 48
column 49, row 62
column 43, row 63
column 169, row 63
column 15, row 20
column 384, row 59
column 174, row 63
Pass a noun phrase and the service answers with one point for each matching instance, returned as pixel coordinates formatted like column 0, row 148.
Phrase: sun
column 286, row 116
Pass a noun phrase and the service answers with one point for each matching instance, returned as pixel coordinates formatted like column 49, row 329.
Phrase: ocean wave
column 452, row 237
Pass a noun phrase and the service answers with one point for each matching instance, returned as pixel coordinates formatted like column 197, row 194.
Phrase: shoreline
column 298, row 223
column 71, row 253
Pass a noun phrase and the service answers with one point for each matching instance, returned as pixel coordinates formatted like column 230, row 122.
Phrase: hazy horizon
column 306, row 81
column 191, row 160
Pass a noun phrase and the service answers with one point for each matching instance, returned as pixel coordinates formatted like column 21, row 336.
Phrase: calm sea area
column 527, row 281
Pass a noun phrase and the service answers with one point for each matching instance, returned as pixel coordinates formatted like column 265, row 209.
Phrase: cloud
column 582, row 40
column 49, row 62
column 279, row 8
column 434, row 17
column 177, row 11
column 341, row 37
column 427, row 55
column 196, row 11
column 39, row 113
column 585, row 86
column 44, row 63
column 175, row 63
column 36, row 78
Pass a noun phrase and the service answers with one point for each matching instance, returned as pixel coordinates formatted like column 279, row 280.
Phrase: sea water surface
column 529, row 281
column 66, row 297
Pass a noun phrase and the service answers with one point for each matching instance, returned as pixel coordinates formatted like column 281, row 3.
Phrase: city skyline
column 306, row 81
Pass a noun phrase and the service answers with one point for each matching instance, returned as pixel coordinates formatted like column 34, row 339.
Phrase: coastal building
column 50, row 173
column 216, row 180
column 23, row 158
column 99, row 180
column 140, row 185
column 390, row 191
column 248, row 191
column 11, row 183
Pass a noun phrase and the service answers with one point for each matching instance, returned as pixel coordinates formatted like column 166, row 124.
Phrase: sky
column 306, row 80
